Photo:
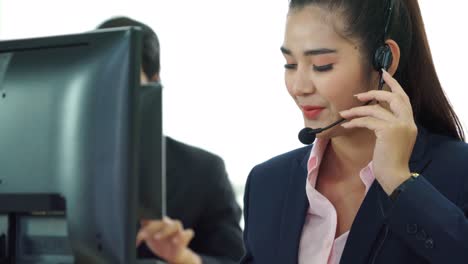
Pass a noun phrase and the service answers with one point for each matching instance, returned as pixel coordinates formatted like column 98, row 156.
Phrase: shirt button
column 411, row 229
column 429, row 243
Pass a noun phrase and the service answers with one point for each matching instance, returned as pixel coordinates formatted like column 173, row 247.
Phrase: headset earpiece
column 383, row 58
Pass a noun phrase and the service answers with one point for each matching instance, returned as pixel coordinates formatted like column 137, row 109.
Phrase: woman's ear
column 395, row 54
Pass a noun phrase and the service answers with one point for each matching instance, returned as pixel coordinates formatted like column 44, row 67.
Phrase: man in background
column 203, row 217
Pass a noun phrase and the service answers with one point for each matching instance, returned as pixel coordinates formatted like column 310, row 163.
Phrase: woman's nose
column 302, row 84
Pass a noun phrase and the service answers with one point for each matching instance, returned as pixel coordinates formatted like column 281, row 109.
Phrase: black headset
column 383, row 57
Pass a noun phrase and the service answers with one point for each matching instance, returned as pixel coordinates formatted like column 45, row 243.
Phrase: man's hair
column 150, row 49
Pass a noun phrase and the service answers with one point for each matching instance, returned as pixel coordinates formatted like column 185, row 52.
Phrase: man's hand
column 168, row 239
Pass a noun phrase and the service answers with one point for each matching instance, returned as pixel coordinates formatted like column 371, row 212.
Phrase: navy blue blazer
column 426, row 224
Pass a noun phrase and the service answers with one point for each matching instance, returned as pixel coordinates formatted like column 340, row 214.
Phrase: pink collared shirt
column 318, row 244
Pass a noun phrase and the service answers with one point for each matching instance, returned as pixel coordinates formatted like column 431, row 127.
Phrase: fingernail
column 175, row 240
column 143, row 234
column 157, row 236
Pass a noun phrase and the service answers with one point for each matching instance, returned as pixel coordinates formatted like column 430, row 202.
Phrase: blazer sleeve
column 247, row 258
column 218, row 237
column 432, row 225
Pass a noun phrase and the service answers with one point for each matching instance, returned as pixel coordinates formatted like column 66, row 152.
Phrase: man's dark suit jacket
column 200, row 195
column 426, row 224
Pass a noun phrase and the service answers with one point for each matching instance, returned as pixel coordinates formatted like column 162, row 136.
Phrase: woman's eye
column 290, row 66
column 323, row 68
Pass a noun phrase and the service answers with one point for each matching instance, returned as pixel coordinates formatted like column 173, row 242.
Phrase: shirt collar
column 315, row 158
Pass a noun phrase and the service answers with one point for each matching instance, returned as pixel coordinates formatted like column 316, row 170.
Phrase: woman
column 388, row 185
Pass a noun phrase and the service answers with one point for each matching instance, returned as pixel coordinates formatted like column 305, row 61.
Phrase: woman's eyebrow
column 311, row 52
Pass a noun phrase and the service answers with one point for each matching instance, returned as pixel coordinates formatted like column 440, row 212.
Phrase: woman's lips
column 311, row 112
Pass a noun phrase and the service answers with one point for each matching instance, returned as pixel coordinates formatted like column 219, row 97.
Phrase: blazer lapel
column 371, row 217
column 366, row 227
column 420, row 157
column 294, row 211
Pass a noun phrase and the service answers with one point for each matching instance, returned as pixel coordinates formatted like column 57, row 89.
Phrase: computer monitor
column 71, row 118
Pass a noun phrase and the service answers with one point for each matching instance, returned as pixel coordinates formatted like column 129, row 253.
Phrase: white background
column 222, row 69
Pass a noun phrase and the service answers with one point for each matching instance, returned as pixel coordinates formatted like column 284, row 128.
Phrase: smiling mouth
column 312, row 112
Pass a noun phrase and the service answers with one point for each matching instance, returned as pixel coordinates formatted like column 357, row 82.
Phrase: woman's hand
column 169, row 240
column 395, row 132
